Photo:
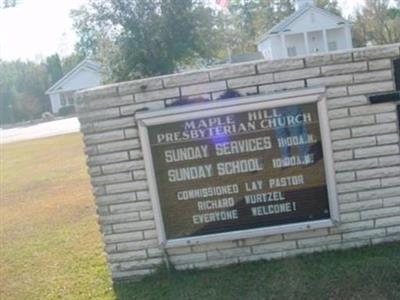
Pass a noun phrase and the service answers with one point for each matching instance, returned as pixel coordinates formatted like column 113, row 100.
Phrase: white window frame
column 176, row 114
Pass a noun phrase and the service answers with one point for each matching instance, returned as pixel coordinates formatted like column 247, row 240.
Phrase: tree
column 54, row 69
column 7, row 93
column 71, row 61
column 22, row 88
column 330, row 5
column 32, row 80
column 359, row 31
column 93, row 23
column 8, row 3
column 27, row 106
column 139, row 38
column 248, row 19
column 377, row 23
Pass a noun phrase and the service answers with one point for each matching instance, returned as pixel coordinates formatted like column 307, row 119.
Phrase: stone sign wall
column 365, row 150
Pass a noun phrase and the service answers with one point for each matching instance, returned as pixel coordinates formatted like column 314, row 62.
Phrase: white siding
column 337, row 35
column 314, row 23
column 55, row 103
column 313, row 20
column 265, row 48
column 271, row 48
column 297, row 41
column 316, row 42
column 83, row 79
column 348, row 37
column 276, row 47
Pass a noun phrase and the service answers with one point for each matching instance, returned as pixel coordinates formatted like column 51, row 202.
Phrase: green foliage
column 250, row 19
column 95, row 28
column 66, row 110
column 369, row 273
column 23, row 86
column 51, row 247
column 50, row 243
column 70, row 62
column 54, row 69
column 143, row 38
column 330, row 5
column 377, row 23
column 8, row 3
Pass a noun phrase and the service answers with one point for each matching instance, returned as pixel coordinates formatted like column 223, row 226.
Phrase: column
column 325, row 39
column 347, row 34
column 306, row 45
column 283, row 43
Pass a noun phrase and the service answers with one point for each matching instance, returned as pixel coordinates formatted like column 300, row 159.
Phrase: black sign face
column 240, row 171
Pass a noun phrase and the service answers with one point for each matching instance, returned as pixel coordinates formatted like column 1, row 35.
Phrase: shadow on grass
column 366, row 273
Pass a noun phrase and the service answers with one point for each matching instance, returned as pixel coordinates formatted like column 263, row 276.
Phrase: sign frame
column 229, row 106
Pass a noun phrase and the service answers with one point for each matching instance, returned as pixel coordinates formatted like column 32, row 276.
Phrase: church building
column 308, row 30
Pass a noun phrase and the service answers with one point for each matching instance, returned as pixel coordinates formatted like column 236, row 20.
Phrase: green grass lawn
column 368, row 273
column 51, row 248
column 50, row 243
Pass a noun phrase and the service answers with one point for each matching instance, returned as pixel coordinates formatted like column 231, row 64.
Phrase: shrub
column 66, row 110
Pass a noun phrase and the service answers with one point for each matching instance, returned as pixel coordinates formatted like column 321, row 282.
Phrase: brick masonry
column 365, row 140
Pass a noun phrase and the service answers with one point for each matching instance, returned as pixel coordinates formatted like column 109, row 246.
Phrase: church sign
column 239, row 168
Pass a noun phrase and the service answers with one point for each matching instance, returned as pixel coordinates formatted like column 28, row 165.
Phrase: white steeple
column 300, row 3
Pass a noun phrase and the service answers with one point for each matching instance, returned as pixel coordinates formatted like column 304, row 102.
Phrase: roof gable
column 85, row 64
column 299, row 17
column 314, row 19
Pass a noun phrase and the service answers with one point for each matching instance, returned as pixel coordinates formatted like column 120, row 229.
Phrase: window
column 63, row 100
column 70, row 99
column 292, row 51
column 332, row 46
column 67, row 99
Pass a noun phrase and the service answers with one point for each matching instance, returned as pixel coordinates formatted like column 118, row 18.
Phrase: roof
column 281, row 26
column 84, row 64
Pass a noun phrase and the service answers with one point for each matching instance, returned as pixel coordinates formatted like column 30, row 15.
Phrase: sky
column 35, row 29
